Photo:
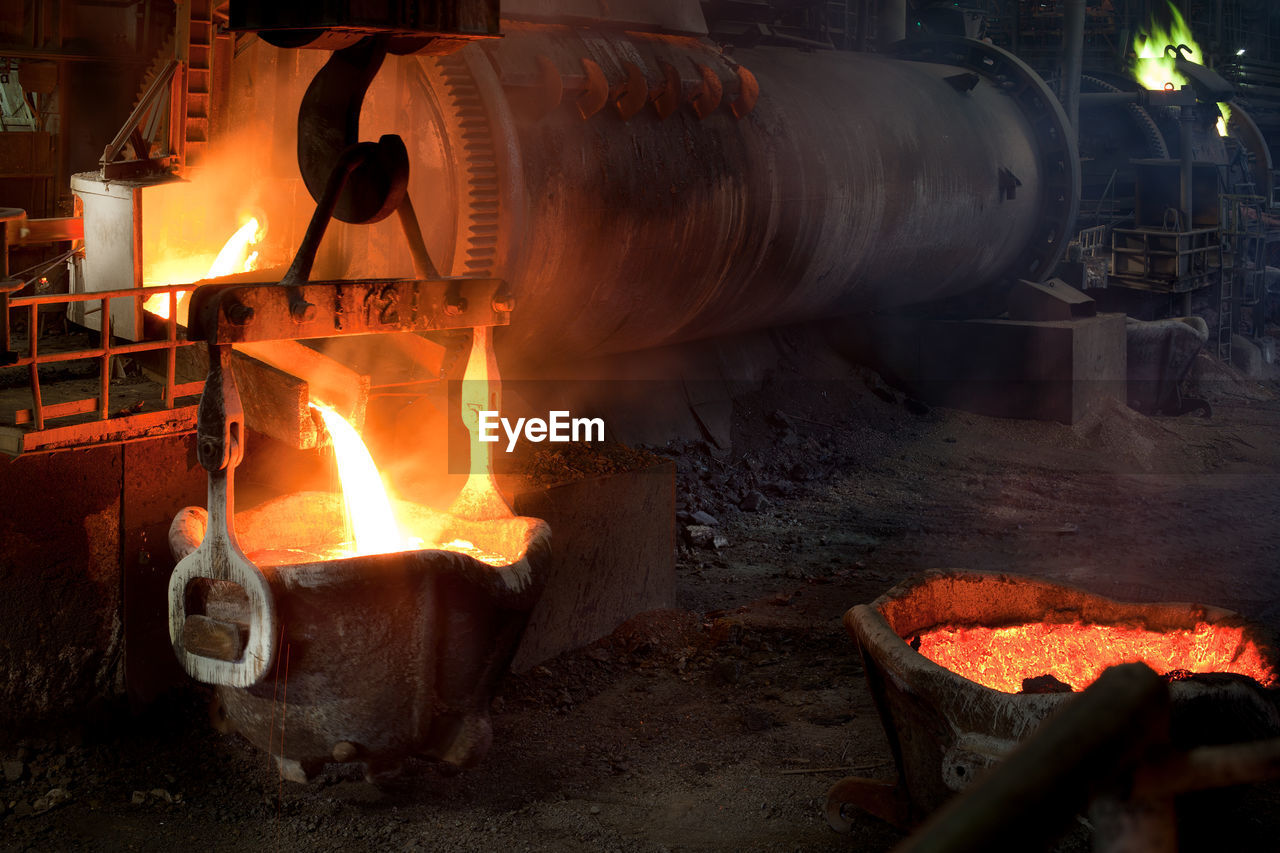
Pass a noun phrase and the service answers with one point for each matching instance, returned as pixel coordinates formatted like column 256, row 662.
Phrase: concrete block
column 1053, row 371
column 1160, row 354
column 613, row 556
column 1247, row 356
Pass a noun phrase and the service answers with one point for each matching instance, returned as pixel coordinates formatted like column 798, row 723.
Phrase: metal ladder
column 197, row 90
column 1242, row 228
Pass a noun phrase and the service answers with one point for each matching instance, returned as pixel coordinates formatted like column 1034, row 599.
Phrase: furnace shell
column 701, row 193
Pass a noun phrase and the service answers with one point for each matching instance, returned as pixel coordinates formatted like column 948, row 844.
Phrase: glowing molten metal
column 1155, row 70
column 481, row 391
column 236, row 255
column 1076, row 653
column 370, row 512
column 373, row 525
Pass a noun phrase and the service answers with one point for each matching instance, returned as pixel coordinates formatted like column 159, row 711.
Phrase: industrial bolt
column 239, row 314
column 504, row 303
column 302, row 311
column 454, row 307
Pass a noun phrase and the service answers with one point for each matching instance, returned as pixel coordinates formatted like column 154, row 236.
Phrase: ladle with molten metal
column 963, row 666
column 391, row 653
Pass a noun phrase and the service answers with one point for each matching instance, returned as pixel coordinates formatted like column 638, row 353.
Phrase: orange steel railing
column 33, row 358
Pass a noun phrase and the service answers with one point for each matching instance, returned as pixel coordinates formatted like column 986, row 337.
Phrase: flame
column 1155, row 70
column 236, row 255
column 1077, row 653
column 1223, row 119
column 363, row 494
column 479, row 498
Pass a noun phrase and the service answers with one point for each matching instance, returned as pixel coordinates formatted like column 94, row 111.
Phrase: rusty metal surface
column 1107, row 748
column 328, row 128
column 1100, row 735
column 277, row 392
column 218, row 556
column 262, row 312
column 16, row 441
column 852, row 182
column 944, row 729
column 21, row 231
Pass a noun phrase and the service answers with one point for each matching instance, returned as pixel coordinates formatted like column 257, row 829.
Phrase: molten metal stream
column 373, row 525
column 367, row 507
column 1076, row 653
column 479, row 498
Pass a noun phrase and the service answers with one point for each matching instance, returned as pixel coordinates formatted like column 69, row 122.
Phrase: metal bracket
column 220, row 447
column 1209, row 84
column 250, row 313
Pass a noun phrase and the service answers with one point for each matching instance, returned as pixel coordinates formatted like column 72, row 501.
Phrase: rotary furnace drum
column 639, row 189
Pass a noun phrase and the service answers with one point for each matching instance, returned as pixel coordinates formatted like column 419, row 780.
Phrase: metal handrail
column 103, row 351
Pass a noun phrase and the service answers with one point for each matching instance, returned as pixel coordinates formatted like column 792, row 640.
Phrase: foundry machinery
column 627, row 187
column 634, row 180
column 584, row 182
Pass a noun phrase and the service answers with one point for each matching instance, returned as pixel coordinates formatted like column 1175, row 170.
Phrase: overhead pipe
column 1072, row 61
column 1186, row 131
column 891, row 22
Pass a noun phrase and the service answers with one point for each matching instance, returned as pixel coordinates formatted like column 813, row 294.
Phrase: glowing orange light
column 368, row 508
column 481, row 391
column 236, row 255
column 1076, row 653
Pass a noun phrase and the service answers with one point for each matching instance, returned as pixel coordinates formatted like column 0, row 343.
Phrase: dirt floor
column 721, row 725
